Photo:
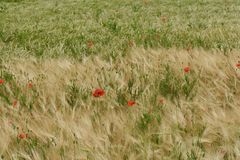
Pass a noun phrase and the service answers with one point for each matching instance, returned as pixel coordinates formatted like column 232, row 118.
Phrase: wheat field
column 119, row 80
column 63, row 119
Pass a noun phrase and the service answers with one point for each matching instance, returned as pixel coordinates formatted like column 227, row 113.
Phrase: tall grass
column 176, row 115
column 60, row 28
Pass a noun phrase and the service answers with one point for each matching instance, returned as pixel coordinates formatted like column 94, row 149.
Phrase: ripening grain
column 61, row 117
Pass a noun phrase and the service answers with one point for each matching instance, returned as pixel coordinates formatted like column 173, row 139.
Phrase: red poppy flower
column 22, row 136
column 29, row 85
column 131, row 103
column 90, row 44
column 1, row 81
column 98, row 92
column 161, row 101
column 238, row 65
column 186, row 69
column 15, row 103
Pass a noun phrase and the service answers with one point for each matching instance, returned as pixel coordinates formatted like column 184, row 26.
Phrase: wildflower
column 238, row 65
column 15, row 103
column 98, row 92
column 90, row 44
column 131, row 103
column 29, row 85
column 1, row 81
column 161, row 101
column 22, row 135
column 186, row 69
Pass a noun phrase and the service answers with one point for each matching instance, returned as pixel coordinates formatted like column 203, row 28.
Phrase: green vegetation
column 65, row 28
column 119, row 79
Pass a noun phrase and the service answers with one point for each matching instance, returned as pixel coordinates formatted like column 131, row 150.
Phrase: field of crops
column 119, row 80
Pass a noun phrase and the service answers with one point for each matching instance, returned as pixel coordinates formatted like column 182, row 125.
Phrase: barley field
column 119, row 80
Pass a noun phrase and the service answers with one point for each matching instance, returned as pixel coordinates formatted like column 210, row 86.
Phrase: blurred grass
column 65, row 27
column 177, row 115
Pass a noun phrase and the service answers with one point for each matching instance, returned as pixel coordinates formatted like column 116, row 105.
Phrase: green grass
column 60, row 28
